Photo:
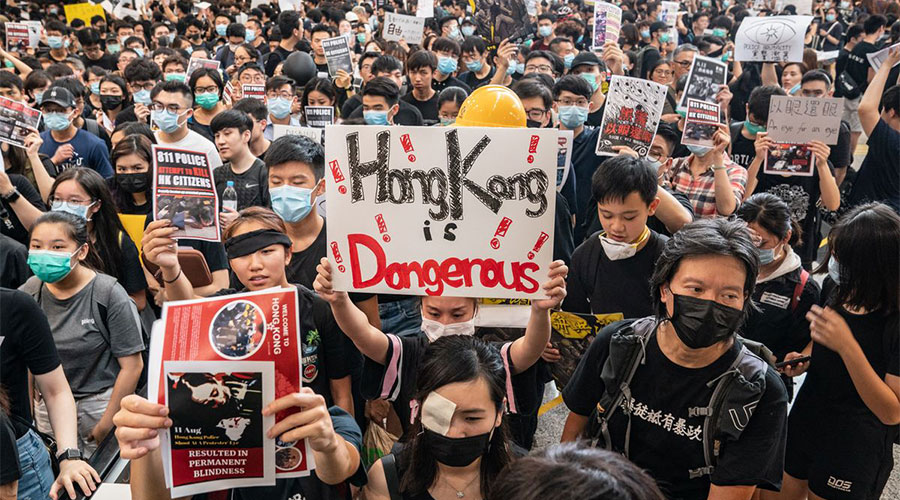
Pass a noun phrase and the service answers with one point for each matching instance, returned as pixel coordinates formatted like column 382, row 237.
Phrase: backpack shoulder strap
column 100, row 294
column 389, row 463
column 798, row 290
column 92, row 126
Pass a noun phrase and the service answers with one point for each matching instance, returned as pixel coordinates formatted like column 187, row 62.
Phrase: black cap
column 58, row 95
column 585, row 58
column 658, row 26
column 467, row 20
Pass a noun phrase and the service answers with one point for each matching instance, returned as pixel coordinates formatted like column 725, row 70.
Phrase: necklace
column 460, row 493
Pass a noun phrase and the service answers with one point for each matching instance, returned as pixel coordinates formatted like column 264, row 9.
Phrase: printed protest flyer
column 197, row 63
column 17, row 121
column 319, row 116
column 184, row 193
column 607, row 24
column 253, row 326
column 704, row 80
column 571, row 334
column 217, row 439
column 790, row 159
column 633, row 108
column 458, row 211
column 337, row 55
column 253, row 91
column 700, row 123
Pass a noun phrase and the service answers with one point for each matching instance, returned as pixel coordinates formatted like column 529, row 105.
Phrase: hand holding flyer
column 184, row 193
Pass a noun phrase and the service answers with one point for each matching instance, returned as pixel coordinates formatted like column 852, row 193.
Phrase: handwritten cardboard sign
column 771, row 39
column 315, row 134
column 461, row 211
column 84, row 11
column 399, row 27
column 799, row 120
column 425, row 8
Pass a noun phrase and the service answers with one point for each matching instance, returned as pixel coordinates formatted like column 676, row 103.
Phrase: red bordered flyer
column 253, row 326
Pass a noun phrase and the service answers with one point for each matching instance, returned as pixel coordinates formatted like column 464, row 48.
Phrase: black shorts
column 841, row 457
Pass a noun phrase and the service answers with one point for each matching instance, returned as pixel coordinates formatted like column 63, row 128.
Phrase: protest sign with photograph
column 498, row 20
column 668, row 13
column 465, row 211
column 700, row 123
column 21, row 36
column 16, row 121
column 572, row 334
column 425, row 8
column 790, row 159
column 184, row 193
column 255, row 326
column 799, row 120
column 564, row 157
column 217, row 439
column 399, row 27
column 253, row 91
column 319, row 116
column 876, row 59
column 633, row 108
column 315, row 134
column 704, row 80
column 771, row 39
column 197, row 63
column 337, row 54
column 607, row 24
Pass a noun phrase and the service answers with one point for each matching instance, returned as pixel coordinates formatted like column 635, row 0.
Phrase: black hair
column 249, row 67
column 132, row 144
column 452, row 94
column 142, row 69
column 574, row 84
column 59, row 70
column 384, row 87
column 758, row 103
column 288, row 21
column 548, row 16
column 10, row 80
column 36, row 79
column 772, row 214
column 322, row 85
column 890, row 100
column 135, row 38
column 816, row 75
column 256, row 108
column 236, row 30
column 853, row 31
column 368, row 55
column 706, row 237
column 474, row 44
column 421, row 59
column 444, row 20
column 444, row 44
column 135, row 128
column 321, row 28
column 213, row 74
column 106, row 254
column 874, row 23
column 448, row 360
column 386, row 64
column 669, row 133
column 866, row 242
column 70, row 83
column 76, row 228
column 278, row 81
column 555, row 61
column 88, row 36
column 231, row 118
column 174, row 86
column 621, row 176
column 572, row 471
column 57, row 26
column 532, row 87
column 299, row 148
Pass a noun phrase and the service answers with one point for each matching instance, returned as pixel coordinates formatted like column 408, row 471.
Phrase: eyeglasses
column 246, row 78
column 240, row 61
column 543, row 68
column 58, row 203
column 662, row 72
column 284, row 94
column 143, row 86
column 171, row 108
column 581, row 103
column 207, row 90
column 683, row 64
column 536, row 114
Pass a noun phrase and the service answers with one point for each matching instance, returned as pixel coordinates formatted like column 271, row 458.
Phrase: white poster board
column 799, row 120
column 876, row 59
column 771, row 39
column 425, row 8
column 459, row 211
column 399, row 27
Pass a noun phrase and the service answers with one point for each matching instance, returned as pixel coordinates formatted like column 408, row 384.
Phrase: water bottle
column 229, row 196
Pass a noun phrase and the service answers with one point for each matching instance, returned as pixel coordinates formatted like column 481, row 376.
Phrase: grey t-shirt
column 88, row 356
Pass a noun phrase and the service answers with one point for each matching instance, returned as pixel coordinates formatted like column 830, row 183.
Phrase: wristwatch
column 70, row 454
column 11, row 197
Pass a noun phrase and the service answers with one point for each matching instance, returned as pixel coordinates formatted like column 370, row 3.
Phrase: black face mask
column 110, row 102
column 133, row 183
column 701, row 323
column 532, row 124
column 457, row 452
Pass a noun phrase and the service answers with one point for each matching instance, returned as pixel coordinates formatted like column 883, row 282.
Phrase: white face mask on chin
column 435, row 330
column 618, row 250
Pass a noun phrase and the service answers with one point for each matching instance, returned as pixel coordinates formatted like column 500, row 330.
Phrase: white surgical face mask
column 435, row 330
column 618, row 250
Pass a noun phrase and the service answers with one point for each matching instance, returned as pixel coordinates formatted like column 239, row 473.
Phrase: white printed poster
column 425, row 8
column 706, row 77
column 399, row 27
column 771, row 39
column 631, row 115
column 564, row 157
column 315, row 134
column 876, row 59
column 607, row 24
column 462, row 211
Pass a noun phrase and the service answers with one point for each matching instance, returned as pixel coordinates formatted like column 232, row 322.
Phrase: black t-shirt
column 836, row 30
column 13, row 262
column 9, row 454
column 563, row 243
column 841, row 156
column 775, row 324
column 9, row 221
column 396, row 381
column 473, row 82
column 597, row 285
column 858, row 64
column 584, row 162
column 879, row 178
column 450, row 82
column 665, row 440
column 128, row 115
column 310, row 487
column 324, row 357
column 252, row 186
column 125, row 202
column 742, row 149
column 129, row 272
column 350, row 105
column 27, row 346
column 407, row 114
column 428, row 109
column 106, row 61
column 274, row 58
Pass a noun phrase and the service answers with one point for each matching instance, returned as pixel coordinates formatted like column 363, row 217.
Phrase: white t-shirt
column 195, row 142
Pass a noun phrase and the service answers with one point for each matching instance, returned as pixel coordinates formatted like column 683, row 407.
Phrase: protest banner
column 799, row 120
column 700, row 123
column 217, row 439
column 256, row 326
column 459, row 211
column 253, row 91
column 564, row 157
column 790, row 159
column 607, row 24
column 197, row 63
column 771, row 39
column 399, row 27
column 315, row 134
column 633, row 108
column 21, row 36
column 498, row 20
column 704, row 80
column 184, row 193
column 319, row 116
column 84, row 11
column 876, row 59
column 16, row 121
column 337, row 54
column 425, row 8
column 571, row 334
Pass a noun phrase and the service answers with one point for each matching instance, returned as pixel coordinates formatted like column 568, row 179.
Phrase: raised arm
column 868, row 105
column 526, row 350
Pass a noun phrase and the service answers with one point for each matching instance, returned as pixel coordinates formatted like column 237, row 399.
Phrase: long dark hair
column 134, row 144
column 866, row 243
column 447, row 360
column 772, row 214
column 106, row 253
column 319, row 85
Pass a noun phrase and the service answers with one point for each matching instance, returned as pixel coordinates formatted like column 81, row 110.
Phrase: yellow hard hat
column 492, row 106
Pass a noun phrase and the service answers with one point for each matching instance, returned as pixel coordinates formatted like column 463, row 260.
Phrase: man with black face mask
column 680, row 394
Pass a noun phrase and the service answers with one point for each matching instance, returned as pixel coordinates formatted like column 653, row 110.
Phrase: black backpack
column 845, row 86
